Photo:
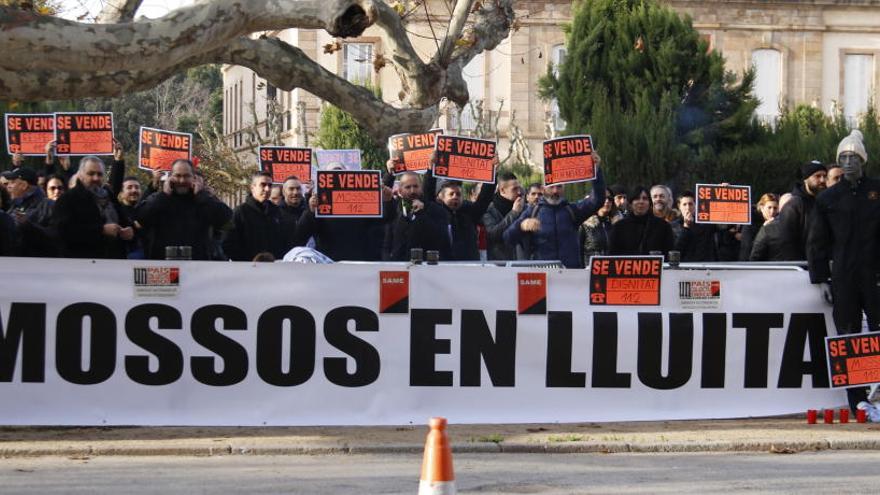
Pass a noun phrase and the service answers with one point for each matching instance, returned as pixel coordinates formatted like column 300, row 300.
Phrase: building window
column 557, row 57
column 357, row 62
column 768, row 84
column 858, row 85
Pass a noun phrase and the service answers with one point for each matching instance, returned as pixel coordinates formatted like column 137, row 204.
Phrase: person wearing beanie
column 844, row 249
column 794, row 219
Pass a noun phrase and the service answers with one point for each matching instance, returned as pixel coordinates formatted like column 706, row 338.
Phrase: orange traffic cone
column 437, row 477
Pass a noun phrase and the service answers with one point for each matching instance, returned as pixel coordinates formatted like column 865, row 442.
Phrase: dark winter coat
column 256, row 227
column 182, row 220
column 7, row 235
column 498, row 217
column 423, row 229
column 344, row 239
column 695, row 243
column 79, row 223
column 594, row 236
column 639, row 235
column 793, row 222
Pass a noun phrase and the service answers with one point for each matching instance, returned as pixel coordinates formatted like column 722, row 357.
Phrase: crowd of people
column 75, row 211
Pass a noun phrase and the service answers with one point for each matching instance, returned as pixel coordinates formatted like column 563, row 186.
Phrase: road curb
column 780, row 447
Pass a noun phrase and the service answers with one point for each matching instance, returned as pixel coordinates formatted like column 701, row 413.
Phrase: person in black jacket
column 459, row 218
column 795, row 218
column 7, row 226
column 414, row 223
column 641, row 231
column 182, row 214
column 88, row 218
column 506, row 206
column 256, row 224
column 843, row 246
column 695, row 241
column 765, row 211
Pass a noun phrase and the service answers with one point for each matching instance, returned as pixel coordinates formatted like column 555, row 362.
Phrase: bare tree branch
column 459, row 18
column 118, row 11
column 45, row 42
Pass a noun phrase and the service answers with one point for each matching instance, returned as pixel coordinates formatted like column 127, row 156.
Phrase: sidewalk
column 781, row 435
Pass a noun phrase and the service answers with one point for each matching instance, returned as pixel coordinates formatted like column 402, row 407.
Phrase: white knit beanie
column 853, row 143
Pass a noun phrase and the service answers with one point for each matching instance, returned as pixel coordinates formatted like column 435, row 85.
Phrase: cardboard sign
column 81, row 133
column 28, row 134
column 349, row 193
column 568, row 159
column 412, row 152
column 724, row 204
column 158, row 148
column 531, row 293
column 350, row 159
column 394, row 292
column 854, row 359
column 625, row 280
column 465, row 159
column 282, row 162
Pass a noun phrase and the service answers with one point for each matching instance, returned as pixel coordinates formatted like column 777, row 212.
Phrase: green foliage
column 337, row 129
column 641, row 80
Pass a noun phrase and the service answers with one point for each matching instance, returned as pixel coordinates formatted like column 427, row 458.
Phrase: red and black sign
column 466, row 159
column 531, row 293
column 79, row 133
column 625, row 280
column 853, row 360
column 159, row 148
column 568, row 159
column 349, row 193
column 394, row 292
column 412, row 152
column 724, row 204
column 29, row 134
column 283, row 162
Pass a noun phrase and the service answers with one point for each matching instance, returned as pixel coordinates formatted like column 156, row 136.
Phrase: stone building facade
column 818, row 52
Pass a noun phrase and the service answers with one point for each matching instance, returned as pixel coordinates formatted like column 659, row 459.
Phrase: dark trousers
column 851, row 299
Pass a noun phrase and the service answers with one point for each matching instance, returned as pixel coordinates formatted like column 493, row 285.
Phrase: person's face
column 410, row 187
column 620, row 201
column 510, row 190
column 816, row 182
column 769, row 210
column 534, row 194
column 293, row 194
column 131, row 192
column 54, row 189
column 660, row 198
column 18, row 188
column 4, row 183
column 275, row 195
column 851, row 164
column 640, row 204
column 260, row 188
column 92, row 174
column 451, row 197
column 834, row 176
column 553, row 194
column 686, row 206
column 41, row 182
column 606, row 207
column 181, row 178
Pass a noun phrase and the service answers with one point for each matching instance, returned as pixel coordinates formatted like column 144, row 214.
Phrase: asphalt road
column 803, row 473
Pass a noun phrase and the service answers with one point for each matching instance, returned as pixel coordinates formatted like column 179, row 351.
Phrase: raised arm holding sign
column 568, row 159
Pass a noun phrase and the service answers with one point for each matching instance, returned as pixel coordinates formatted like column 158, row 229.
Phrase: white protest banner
column 283, row 344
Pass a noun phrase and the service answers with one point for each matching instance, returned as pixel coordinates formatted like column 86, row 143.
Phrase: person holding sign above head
column 843, row 246
column 256, row 224
column 549, row 229
column 641, row 231
column 183, row 213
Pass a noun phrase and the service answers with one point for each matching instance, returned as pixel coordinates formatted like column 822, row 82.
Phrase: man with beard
column 183, row 213
column 843, row 249
column 415, row 222
column 88, row 218
column 793, row 220
column 549, row 230
column 507, row 204
column 256, row 224
column 661, row 198
column 292, row 207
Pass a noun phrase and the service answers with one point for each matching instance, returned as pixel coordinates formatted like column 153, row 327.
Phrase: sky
column 75, row 9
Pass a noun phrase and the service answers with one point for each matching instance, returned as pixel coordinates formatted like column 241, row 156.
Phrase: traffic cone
column 437, row 477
